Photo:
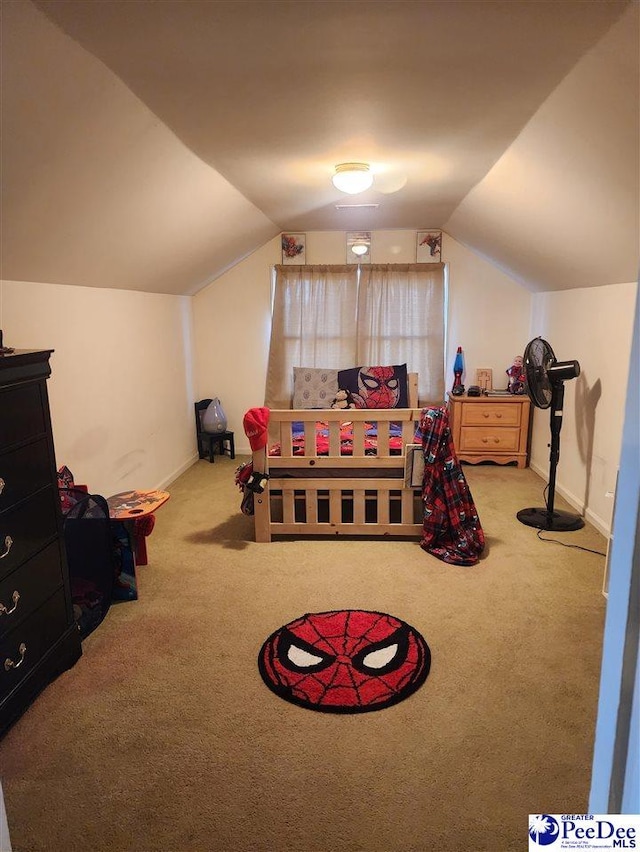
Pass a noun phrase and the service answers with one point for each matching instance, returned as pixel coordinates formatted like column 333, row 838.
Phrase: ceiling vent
column 357, row 206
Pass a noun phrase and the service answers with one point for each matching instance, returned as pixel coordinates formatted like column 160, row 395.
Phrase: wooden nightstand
column 491, row 428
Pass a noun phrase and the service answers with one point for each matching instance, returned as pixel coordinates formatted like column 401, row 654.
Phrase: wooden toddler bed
column 336, row 472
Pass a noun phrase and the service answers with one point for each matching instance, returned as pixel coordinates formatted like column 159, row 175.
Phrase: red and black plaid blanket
column 451, row 528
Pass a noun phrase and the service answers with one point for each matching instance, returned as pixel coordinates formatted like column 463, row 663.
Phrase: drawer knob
column 10, row 664
column 15, row 597
column 2, row 484
column 8, row 541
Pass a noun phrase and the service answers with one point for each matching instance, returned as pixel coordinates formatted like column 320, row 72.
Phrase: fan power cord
column 563, row 543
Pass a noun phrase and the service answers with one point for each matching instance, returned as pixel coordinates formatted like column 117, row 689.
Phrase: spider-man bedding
column 346, row 439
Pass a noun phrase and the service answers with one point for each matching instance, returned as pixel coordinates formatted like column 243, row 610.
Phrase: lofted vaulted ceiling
column 151, row 145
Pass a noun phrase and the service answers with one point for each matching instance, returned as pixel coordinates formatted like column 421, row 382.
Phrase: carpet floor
column 163, row 737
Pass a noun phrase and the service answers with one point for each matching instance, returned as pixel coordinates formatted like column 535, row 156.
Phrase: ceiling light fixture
column 352, row 177
column 358, row 246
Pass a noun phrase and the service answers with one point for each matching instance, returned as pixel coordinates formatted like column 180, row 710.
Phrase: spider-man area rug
column 345, row 661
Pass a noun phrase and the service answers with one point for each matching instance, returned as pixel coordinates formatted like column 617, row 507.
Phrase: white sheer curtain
column 313, row 325
column 401, row 319
column 346, row 316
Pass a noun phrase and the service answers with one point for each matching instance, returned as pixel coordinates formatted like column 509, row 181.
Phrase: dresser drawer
column 24, row 471
column 22, row 414
column 29, row 586
column 26, row 528
column 487, row 413
column 475, row 439
column 26, row 644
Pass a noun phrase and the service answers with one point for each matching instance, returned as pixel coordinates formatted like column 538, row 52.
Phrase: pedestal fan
column 544, row 379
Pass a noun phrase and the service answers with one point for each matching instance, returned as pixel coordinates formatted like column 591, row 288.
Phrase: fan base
column 559, row 521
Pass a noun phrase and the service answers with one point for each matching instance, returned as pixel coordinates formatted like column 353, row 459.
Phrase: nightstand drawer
column 29, row 586
column 23, row 414
column 24, row 471
column 488, row 439
column 490, row 414
column 25, row 645
column 25, row 529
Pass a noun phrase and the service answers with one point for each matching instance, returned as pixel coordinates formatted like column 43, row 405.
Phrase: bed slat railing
column 286, row 439
column 281, row 430
column 335, row 507
column 310, row 445
column 383, row 428
column 382, row 507
column 359, row 513
column 334, row 438
column 358, row 438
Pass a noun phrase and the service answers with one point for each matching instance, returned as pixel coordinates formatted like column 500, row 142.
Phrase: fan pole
column 557, row 401
column 549, row 518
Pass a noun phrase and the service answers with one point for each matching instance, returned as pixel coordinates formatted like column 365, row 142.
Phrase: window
column 346, row 316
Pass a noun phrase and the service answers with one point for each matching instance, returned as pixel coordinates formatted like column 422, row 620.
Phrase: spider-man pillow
column 376, row 387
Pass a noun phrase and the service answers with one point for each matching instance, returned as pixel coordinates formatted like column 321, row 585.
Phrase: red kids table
column 126, row 510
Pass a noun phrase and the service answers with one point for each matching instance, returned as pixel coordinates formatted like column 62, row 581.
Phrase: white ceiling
column 155, row 144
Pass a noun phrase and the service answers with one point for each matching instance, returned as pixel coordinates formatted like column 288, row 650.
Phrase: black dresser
column 39, row 638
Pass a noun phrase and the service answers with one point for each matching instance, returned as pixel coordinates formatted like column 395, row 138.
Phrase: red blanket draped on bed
column 451, row 527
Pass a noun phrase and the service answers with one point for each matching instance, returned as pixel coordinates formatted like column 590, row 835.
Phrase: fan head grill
column 538, row 358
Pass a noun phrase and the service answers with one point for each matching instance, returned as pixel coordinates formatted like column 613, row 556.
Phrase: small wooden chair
column 208, row 440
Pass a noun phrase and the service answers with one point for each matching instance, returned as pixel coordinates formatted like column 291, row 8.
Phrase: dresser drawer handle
column 495, row 440
column 8, row 541
column 15, row 597
column 9, row 664
column 2, row 484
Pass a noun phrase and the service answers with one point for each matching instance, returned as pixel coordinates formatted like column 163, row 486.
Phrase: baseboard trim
column 589, row 515
column 182, row 469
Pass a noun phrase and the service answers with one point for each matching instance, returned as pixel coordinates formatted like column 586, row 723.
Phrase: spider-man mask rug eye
column 345, row 661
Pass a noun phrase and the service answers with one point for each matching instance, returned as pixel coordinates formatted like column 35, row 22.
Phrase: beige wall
column 120, row 390
column 488, row 316
column 593, row 325
column 231, row 325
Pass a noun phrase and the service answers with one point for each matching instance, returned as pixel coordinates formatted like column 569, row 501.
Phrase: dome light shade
column 360, row 248
column 352, row 177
